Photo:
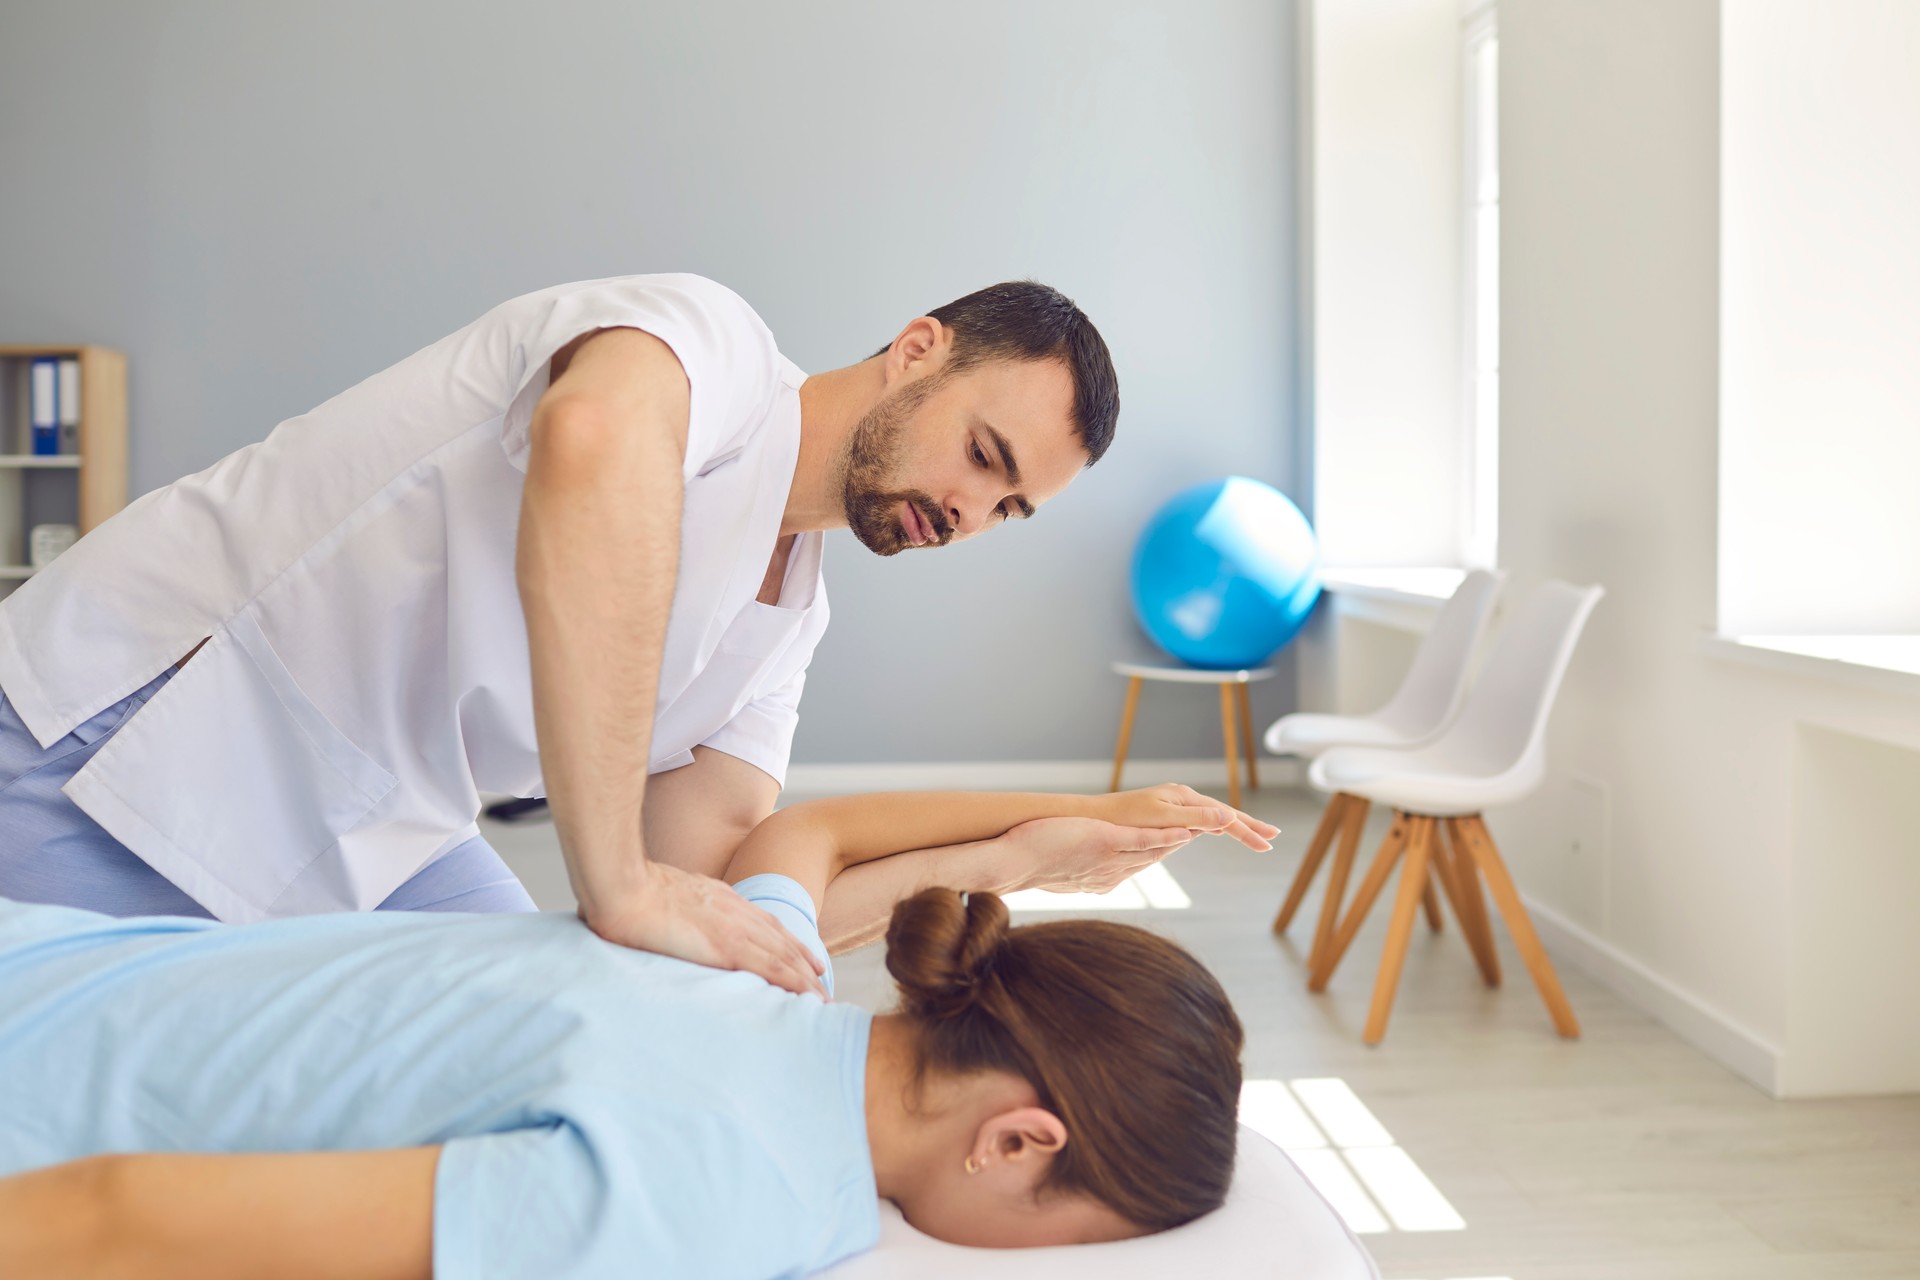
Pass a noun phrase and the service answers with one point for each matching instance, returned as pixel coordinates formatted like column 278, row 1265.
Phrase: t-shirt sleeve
column 782, row 898
column 526, row 1202
column 761, row 733
column 628, row 1192
column 731, row 361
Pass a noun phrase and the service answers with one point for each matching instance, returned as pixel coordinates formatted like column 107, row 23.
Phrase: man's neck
column 831, row 405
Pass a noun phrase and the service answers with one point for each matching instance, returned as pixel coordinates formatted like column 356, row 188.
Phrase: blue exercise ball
column 1225, row 573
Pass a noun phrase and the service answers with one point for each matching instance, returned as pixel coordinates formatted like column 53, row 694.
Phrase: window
column 1819, row 273
column 1402, row 282
column 1480, row 287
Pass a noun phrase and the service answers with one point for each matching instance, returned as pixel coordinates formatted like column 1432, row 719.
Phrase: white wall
column 1384, row 138
column 1820, row 328
column 1754, row 879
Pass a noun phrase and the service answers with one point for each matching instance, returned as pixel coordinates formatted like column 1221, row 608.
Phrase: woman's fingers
column 1243, row 832
column 1204, row 817
column 1151, row 839
column 1220, row 820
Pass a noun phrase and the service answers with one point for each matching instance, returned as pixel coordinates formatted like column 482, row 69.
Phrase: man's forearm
column 860, row 900
column 598, row 552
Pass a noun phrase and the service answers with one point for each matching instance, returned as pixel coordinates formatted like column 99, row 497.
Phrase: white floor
column 1501, row 1150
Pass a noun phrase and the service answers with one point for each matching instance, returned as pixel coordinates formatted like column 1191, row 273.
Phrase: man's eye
column 973, row 451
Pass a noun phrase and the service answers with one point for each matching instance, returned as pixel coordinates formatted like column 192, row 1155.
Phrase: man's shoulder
column 673, row 288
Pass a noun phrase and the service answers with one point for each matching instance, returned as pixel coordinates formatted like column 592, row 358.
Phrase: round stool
column 1233, row 695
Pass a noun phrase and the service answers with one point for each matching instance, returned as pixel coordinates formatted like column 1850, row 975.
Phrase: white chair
column 1416, row 714
column 1495, row 753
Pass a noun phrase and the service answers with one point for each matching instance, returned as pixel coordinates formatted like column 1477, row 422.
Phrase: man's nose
column 967, row 515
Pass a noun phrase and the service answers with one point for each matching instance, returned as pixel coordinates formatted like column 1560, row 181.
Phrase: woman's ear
column 1022, row 1141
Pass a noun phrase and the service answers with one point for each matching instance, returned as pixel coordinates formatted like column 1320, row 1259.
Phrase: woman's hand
column 1173, row 805
column 1083, row 855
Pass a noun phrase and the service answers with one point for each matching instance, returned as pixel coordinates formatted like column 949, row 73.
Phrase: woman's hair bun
column 941, row 946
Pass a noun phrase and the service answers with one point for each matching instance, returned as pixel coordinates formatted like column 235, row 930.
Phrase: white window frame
column 1479, row 419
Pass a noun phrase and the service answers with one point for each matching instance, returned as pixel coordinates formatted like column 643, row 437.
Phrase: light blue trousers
column 52, row 852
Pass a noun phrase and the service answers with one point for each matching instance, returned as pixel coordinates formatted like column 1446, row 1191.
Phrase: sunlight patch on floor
column 1347, row 1154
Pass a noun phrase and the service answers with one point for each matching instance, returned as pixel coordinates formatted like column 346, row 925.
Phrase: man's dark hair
column 1026, row 320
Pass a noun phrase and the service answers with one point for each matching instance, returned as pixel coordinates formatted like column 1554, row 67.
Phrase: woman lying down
column 395, row 1095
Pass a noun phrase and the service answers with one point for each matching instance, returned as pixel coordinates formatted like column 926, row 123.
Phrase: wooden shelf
column 39, row 459
column 90, row 482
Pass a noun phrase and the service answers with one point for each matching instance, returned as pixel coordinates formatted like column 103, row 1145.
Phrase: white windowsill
column 1403, row 598
column 1885, row 664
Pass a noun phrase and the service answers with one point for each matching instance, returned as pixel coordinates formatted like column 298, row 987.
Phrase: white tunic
column 366, row 675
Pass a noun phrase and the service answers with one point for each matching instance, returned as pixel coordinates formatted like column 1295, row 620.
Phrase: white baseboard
column 1706, row 1028
column 1209, row 775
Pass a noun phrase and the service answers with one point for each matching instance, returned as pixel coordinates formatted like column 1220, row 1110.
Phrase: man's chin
column 881, row 544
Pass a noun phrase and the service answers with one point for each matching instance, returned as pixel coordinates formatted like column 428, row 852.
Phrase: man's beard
column 873, row 454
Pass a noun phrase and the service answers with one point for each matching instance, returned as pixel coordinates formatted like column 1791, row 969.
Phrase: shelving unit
column 81, row 488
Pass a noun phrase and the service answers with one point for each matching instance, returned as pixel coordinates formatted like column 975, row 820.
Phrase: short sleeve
column 641, row 1188
column 731, row 361
column 526, row 1202
column 761, row 733
column 782, row 898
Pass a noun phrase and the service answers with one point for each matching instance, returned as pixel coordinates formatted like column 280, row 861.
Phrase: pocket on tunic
column 230, row 781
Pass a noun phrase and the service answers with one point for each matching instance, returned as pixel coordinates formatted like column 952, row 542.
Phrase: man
column 576, row 543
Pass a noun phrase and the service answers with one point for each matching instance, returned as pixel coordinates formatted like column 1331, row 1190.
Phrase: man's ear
column 1022, row 1141
column 924, row 340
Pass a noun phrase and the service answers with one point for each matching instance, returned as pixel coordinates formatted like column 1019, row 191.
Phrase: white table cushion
column 1274, row 1224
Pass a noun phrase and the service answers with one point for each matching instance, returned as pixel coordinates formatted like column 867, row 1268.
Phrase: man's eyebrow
column 1006, row 457
column 1011, row 467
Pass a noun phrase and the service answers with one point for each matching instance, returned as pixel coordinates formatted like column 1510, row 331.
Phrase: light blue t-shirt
column 606, row 1112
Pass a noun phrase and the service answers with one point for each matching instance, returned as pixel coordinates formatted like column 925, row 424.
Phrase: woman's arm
column 333, row 1215
column 814, row 842
column 1064, row 855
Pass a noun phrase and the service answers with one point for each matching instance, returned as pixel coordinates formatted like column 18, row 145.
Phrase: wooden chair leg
column 1431, row 902
column 1226, row 728
column 1468, row 906
column 1355, row 820
column 1316, row 853
column 1246, row 737
column 1327, row 958
column 1413, row 886
column 1126, row 731
column 1519, row 925
column 1442, row 871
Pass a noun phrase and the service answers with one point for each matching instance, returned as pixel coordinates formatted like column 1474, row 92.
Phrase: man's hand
column 1084, row 855
column 694, row 917
column 1172, row 805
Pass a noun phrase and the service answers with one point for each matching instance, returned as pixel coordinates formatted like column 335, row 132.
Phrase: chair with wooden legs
column 1416, row 714
column 1494, row 754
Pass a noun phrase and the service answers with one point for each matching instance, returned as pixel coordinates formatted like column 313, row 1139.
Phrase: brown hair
column 1027, row 320
column 1125, row 1037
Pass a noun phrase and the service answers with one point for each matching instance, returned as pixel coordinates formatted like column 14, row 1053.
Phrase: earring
column 973, row 1166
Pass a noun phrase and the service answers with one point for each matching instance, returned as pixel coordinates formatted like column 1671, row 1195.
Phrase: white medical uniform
column 366, row 675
